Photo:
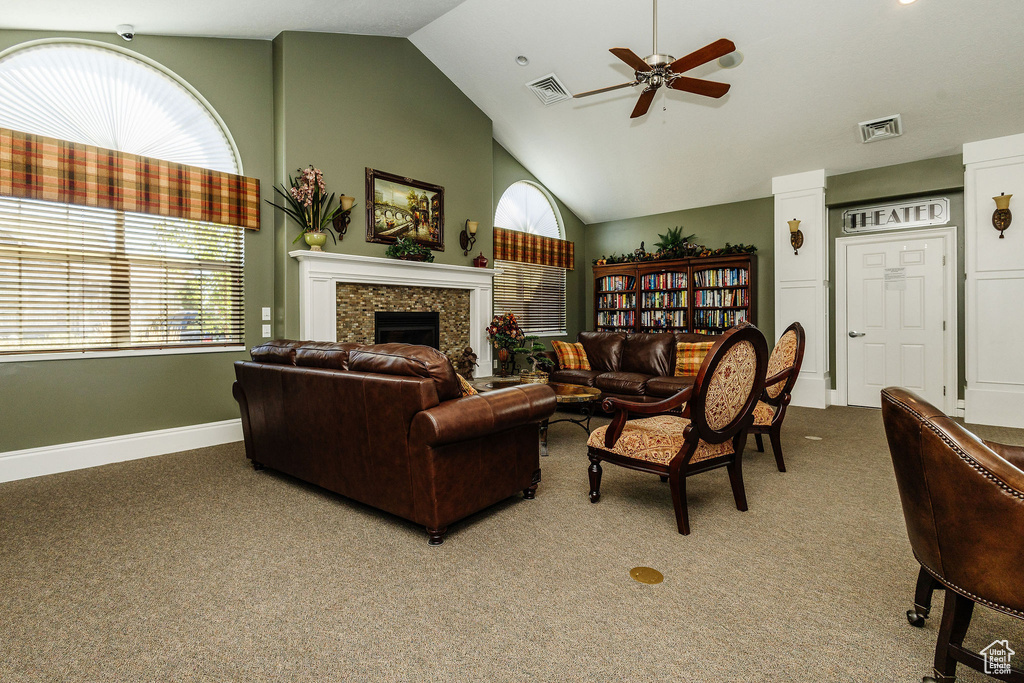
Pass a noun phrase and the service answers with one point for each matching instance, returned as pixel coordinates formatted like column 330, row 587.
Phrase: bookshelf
column 704, row 295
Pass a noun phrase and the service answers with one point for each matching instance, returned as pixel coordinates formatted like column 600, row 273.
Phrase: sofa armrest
column 472, row 417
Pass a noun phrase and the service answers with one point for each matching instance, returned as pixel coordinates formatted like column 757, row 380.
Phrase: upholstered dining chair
column 720, row 406
column 963, row 502
column 783, row 370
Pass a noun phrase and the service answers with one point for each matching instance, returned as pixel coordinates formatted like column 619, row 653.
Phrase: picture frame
column 402, row 207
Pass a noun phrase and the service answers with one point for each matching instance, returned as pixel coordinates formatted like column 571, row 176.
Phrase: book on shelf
column 616, row 283
column 664, row 299
column 721, row 277
column 664, row 281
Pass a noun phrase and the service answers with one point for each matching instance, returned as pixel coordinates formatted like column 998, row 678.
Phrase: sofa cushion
column 691, row 337
column 582, row 377
column 570, row 356
column 280, row 351
column 648, row 353
column 667, row 386
column 622, row 382
column 408, row 360
column 690, row 356
column 330, row 355
column 464, row 385
column 604, row 349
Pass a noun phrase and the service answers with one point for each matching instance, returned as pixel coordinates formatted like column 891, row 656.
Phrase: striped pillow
column 571, row 356
column 689, row 356
column 465, row 386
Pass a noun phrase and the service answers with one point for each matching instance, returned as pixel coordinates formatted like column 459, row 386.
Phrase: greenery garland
column 673, row 245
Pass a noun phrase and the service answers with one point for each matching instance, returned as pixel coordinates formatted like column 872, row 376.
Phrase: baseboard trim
column 36, row 462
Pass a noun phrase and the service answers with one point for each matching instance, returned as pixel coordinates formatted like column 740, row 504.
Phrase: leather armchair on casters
column 963, row 501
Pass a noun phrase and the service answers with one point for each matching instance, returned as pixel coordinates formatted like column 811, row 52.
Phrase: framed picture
column 403, row 207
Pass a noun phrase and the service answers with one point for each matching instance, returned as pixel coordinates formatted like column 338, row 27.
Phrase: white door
column 895, row 303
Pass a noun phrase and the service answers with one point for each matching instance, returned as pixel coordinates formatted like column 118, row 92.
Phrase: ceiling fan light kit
column 659, row 70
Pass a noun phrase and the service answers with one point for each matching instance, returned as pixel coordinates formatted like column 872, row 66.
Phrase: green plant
column 535, row 354
column 306, row 201
column 404, row 246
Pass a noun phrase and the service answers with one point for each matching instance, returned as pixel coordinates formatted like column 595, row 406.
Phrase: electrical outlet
column 266, row 332
column 266, row 312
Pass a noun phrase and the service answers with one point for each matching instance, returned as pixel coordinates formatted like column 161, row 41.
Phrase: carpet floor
column 193, row 567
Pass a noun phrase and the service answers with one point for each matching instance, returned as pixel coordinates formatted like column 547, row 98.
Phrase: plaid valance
column 37, row 167
column 515, row 245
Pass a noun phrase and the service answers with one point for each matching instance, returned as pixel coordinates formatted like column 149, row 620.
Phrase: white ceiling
column 812, row 70
column 226, row 18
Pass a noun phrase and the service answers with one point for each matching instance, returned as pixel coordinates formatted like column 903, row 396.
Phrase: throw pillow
column 571, row 356
column 467, row 388
column 689, row 356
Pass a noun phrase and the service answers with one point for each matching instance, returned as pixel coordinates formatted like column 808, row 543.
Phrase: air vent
column 880, row 129
column 549, row 89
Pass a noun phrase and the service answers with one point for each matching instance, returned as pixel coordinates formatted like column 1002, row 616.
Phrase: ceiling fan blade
column 631, row 58
column 644, row 103
column 699, row 87
column 719, row 48
column 601, row 90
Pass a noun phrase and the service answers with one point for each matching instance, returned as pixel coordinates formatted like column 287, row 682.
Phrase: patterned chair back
column 729, row 383
column 788, row 353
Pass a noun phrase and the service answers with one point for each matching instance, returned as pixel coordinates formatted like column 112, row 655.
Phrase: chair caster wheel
column 594, row 496
column 915, row 618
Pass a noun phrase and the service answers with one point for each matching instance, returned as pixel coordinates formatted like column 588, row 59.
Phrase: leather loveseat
column 635, row 366
column 387, row 425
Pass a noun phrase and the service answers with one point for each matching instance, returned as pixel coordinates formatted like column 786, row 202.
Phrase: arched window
column 87, row 279
column 535, row 293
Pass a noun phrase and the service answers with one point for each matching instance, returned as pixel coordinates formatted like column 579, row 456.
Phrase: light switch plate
column 266, row 331
column 266, row 312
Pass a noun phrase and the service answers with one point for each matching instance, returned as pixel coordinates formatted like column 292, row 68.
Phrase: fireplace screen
column 422, row 328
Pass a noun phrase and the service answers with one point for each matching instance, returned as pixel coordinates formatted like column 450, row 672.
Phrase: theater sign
column 909, row 214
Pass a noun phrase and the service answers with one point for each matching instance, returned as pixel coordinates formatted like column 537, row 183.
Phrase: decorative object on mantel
column 480, row 261
column 1002, row 217
column 796, row 237
column 686, row 249
column 504, row 334
column 405, row 249
column 467, row 238
column 402, row 207
column 465, row 363
column 343, row 216
column 538, row 361
column 309, row 205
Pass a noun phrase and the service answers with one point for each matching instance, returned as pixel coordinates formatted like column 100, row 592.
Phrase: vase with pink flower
column 307, row 202
column 504, row 334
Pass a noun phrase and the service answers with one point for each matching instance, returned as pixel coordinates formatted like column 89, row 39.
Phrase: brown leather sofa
column 387, row 425
column 635, row 366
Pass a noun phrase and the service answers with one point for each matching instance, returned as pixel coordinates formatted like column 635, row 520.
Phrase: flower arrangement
column 307, row 202
column 405, row 248
column 505, row 335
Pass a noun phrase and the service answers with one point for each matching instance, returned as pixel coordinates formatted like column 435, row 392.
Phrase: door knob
column 857, row 334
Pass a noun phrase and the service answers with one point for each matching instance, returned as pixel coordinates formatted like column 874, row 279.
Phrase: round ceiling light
column 731, row 60
column 521, row 60
column 907, row 2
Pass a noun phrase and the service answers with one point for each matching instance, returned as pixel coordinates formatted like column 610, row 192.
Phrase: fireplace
column 408, row 327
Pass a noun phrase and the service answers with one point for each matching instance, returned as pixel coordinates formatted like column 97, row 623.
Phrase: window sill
column 80, row 355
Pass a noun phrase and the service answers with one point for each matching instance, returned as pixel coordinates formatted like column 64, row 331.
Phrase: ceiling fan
column 658, row 70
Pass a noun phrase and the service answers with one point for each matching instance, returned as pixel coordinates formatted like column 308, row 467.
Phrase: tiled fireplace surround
column 339, row 293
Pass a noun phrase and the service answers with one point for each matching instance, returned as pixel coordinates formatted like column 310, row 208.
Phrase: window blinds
column 76, row 278
column 534, row 293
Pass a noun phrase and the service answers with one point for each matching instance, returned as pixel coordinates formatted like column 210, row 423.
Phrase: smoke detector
column 881, row 129
column 549, row 89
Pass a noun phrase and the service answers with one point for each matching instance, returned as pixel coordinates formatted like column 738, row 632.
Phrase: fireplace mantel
column 320, row 273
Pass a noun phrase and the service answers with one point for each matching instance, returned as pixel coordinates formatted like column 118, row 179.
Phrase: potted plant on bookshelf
column 540, row 363
column 407, row 250
column 504, row 334
column 307, row 202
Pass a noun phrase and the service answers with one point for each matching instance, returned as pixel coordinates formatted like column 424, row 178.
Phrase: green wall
column 347, row 102
column 748, row 222
column 943, row 176
column 51, row 402
column 508, row 170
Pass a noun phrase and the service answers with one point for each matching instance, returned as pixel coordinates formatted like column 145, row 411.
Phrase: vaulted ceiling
column 811, row 71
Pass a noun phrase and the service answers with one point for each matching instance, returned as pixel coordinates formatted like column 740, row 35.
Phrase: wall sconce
column 343, row 216
column 796, row 238
column 1002, row 217
column 467, row 238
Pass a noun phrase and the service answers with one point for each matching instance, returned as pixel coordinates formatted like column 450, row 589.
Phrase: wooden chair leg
column 735, row 469
column 956, row 617
column 776, row 437
column 760, row 442
column 926, row 585
column 677, row 482
column 595, row 479
column 664, row 477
